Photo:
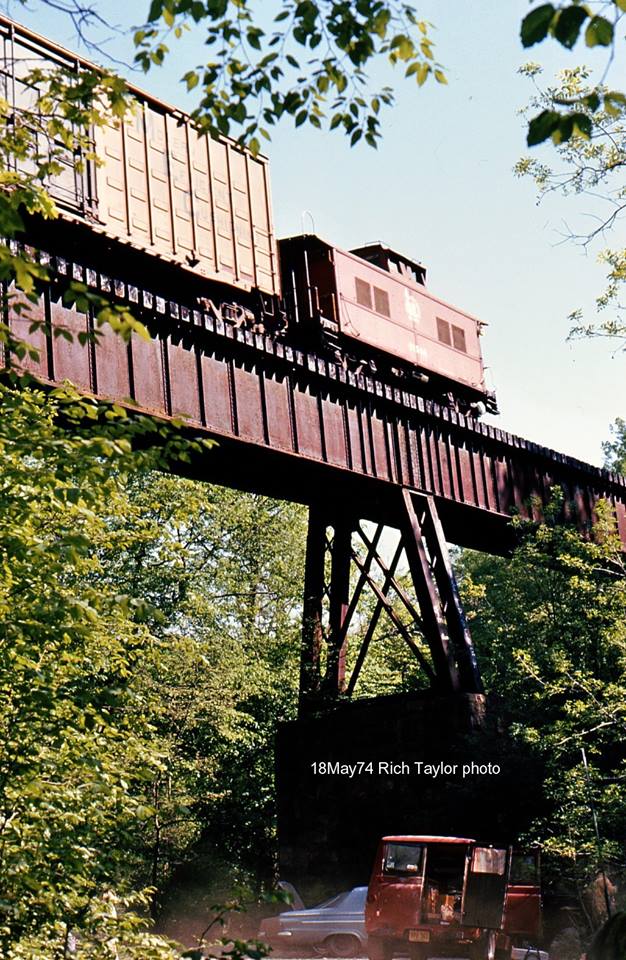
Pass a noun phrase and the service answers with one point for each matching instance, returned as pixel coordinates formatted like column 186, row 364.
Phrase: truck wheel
column 379, row 949
column 343, row 945
column 485, row 948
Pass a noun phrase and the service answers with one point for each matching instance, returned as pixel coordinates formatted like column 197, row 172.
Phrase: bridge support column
column 342, row 559
column 312, row 609
column 445, row 624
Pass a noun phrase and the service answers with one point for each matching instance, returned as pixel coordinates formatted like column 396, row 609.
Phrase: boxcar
column 162, row 187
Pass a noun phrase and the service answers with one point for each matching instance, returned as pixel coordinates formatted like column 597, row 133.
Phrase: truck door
column 522, row 913
column 485, row 887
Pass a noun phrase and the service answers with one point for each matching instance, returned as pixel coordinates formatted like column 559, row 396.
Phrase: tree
column 564, row 22
column 141, row 686
column 222, row 572
column 615, row 448
column 549, row 631
column 586, row 120
column 589, row 166
column 78, row 748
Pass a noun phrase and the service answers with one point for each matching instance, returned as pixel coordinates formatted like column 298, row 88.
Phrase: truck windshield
column 403, row 859
column 525, row 869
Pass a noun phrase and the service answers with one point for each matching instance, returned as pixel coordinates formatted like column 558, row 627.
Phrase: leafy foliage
column 222, row 572
column 565, row 22
column 590, row 162
column 310, row 63
column 77, row 743
column 615, row 448
column 550, row 635
column 149, row 643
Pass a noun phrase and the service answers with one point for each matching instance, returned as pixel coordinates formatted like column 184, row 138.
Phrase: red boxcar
column 447, row 896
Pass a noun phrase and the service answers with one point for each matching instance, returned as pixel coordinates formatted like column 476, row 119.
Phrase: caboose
column 371, row 307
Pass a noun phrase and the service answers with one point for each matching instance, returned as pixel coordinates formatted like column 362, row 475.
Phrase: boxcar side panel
column 158, row 169
column 264, row 242
column 202, row 201
column 111, row 180
column 163, row 186
column 180, row 188
column 222, row 210
column 137, row 174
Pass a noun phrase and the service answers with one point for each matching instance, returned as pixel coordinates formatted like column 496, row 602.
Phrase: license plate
column 419, row 936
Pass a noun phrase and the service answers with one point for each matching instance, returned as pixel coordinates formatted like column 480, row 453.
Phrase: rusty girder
column 296, row 425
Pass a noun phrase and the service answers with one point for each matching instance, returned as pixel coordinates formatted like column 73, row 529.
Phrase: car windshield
column 403, row 859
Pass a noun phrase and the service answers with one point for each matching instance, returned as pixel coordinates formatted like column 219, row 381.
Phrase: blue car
column 335, row 928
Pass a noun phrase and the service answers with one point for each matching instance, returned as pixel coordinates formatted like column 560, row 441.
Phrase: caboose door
column 485, row 887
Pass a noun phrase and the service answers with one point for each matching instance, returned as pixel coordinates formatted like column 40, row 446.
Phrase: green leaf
column 191, row 79
column 536, row 24
column 614, row 103
column 542, row 126
column 156, row 8
column 568, row 25
column 422, row 73
column 592, row 102
column 599, row 32
column 564, row 130
column 582, row 124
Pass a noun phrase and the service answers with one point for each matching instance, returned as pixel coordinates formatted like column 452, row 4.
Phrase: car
column 335, row 927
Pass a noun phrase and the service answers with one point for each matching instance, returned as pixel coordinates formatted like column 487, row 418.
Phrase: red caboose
column 371, row 305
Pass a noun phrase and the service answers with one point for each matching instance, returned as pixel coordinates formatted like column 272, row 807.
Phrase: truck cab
column 444, row 896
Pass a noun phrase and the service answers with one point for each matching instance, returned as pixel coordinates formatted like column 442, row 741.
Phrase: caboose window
column 363, row 293
column 381, row 301
column 443, row 331
column 458, row 338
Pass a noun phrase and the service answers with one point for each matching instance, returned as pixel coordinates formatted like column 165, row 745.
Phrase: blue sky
column 440, row 188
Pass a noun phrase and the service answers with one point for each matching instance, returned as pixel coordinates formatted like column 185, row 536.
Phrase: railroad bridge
column 294, row 424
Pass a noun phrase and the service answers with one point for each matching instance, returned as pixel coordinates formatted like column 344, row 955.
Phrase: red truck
column 450, row 896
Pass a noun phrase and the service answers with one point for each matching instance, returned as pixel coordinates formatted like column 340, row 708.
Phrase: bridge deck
column 293, row 424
